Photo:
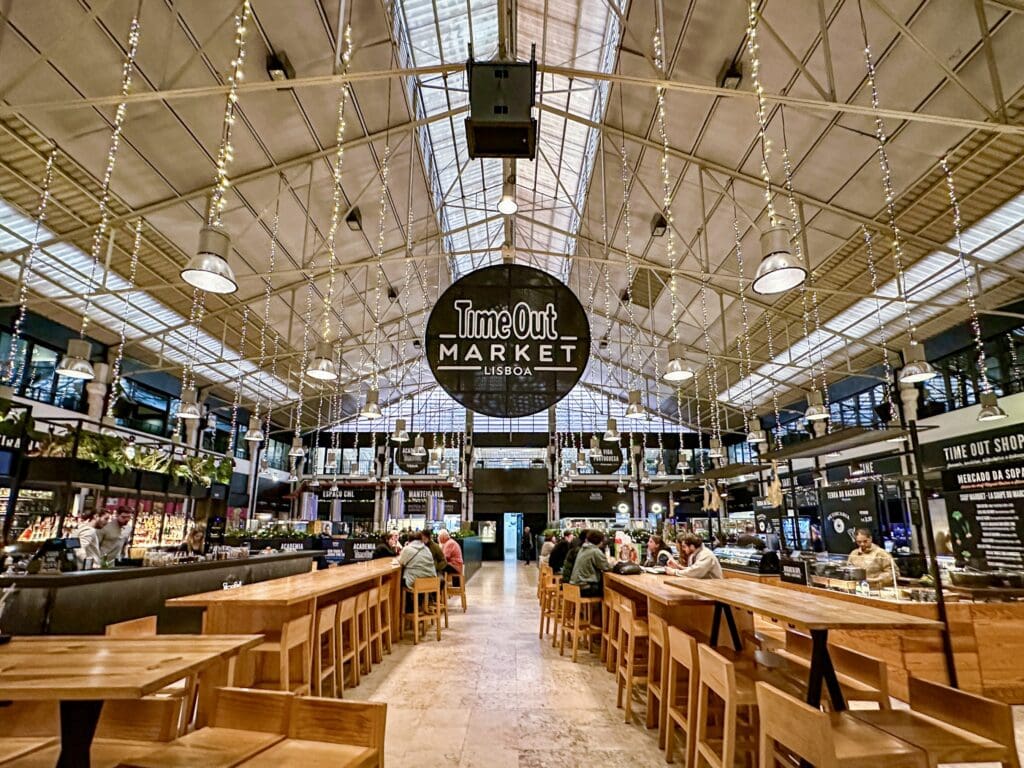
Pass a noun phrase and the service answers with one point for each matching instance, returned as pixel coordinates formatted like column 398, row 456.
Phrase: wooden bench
column 950, row 726
column 862, row 677
column 13, row 747
column 105, row 753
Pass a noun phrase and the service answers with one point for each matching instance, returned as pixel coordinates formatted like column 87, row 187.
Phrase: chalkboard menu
column 844, row 509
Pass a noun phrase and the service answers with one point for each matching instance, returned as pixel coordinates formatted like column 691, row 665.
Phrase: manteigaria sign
column 508, row 340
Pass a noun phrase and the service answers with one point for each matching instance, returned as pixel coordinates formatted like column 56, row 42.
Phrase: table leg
column 821, row 671
column 716, row 623
column 737, row 642
column 78, row 720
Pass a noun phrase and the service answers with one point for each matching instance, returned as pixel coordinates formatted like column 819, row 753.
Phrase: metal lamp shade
column 917, row 369
column 779, row 271
column 715, row 449
column 635, row 409
column 595, row 444
column 677, row 368
column 296, row 451
column 189, row 408
column 75, row 364
column 581, row 460
column 417, row 447
column 322, row 366
column 400, row 435
column 816, row 409
column 371, row 408
column 990, row 409
column 209, row 270
column 254, row 433
column 755, row 434
column 508, row 204
column 611, row 434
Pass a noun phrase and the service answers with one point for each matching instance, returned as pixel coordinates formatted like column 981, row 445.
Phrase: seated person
column 699, row 561
column 557, row 557
column 658, row 552
column 570, row 556
column 590, row 565
column 452, row 553
column 878, row 564
column 417, row 560
column 387, row 548
column 440, row 562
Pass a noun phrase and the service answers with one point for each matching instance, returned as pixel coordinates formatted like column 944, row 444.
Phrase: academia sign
column 508, row 340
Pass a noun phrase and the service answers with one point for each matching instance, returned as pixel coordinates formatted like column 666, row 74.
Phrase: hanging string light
column 373, row 394
column 75, row 364
column 635, row 408
column 743, row 343
column 15, row 366
column 883, row 339
column 255, row 434
column 239, row 377
column 273, row 377
column 775, row 392
column 209, row 270
column 990, row 409
column 711, row 366
column 115, row 375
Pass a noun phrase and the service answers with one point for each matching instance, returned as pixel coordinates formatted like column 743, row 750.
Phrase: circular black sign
column 606, row 460
column 410, row 462
column 508, row 340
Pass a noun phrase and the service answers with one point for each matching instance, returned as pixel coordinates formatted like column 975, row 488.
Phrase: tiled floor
column 491, row 694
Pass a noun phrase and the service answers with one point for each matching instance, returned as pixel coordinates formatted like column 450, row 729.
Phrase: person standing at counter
column 878, row 564
column 115, row 534
column 701, row 563
column 91, row 522
column 387, row 548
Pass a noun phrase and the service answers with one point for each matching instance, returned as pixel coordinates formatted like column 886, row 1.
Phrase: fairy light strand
column 777, row 432
column 753, row 49
column 239, row 376
column 634, row 355
column 882, row 335
column 115, row 374
column 743, row 344
column 382, row 204
column 268, row 286
column 15, row 367
column 666, row 201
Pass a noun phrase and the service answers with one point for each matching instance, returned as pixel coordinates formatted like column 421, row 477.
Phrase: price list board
column 985, row 505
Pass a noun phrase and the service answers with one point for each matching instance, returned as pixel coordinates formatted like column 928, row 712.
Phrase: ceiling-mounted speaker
column 502, row 95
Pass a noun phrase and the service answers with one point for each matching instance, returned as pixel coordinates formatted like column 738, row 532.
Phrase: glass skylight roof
column 61, row 272
column 937, row 277
column 550, row 190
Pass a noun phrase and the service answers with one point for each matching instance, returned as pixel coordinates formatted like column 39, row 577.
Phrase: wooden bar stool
column 373, row 618
column 347, row 635
column 558, row 607
column 548, row 602
column 295, row 635
column 363, row 653
column 657, row 674
column 610, row 633
column 421, row 614
column 577, row 619
column 325, row 652
column 455, row 584
column 386, row 620
column 727, row 701
column 680, row 689
column 792, row 731
column 634, row 656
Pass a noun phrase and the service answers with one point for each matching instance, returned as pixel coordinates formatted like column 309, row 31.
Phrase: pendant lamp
column 417, row 447
column 254, row 434
column 816, row 409
column 677, row 368
column 371, row 408
column 400, row 435
column 209, row 270
column 75, row 364
column 188, row 408
column 635, row 409
column 779, row 270
column 990, row 409
column 508, row 205
column 755, row 434
column 916, row 369
column 296, row 451
column 715, row 449
column 322, row 366
column 595, row 444
column 611, row 434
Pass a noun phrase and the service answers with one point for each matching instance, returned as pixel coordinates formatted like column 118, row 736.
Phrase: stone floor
column 492, row 695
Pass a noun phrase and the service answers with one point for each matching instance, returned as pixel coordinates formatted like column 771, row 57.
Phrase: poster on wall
column 844, row 509
column 985, row 506
column 508, row 340
column 767, row 517
column 607, row 459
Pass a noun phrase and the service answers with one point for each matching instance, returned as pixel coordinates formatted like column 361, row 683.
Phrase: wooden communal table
column 265, row 607
column 817, row 614
column 83, row 671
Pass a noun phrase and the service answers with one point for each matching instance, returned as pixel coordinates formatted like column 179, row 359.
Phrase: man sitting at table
column 876, row 562
column 417, row 560
column 557, row 557
column 700, row 563
column 590, row 565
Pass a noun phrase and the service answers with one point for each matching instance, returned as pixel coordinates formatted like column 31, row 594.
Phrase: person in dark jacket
column 557, row 557
column 387, row 548
column 529, row 545
column 570, row 557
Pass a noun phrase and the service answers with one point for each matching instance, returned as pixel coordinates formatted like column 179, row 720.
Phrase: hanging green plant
column 225, row 469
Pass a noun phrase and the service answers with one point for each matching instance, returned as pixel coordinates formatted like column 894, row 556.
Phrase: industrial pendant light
column 188, row 408
column 620, row 488
column 371, row 408
column 779, row 270
column 595, row 444
column 400, row 435
column 435, row 459
column 816, row 410
column 254, row 434
column 611, row 434
column 417, row 447
column 209, row 270
column 755, row 434
column 75, row 364
column 296, row 451
column 990, row 409
column 916, row 369
column 322, row 366
column 315, row 482
column 635, row 409
column 508, row 205
column 715, row 449
column 581, row 460
column 677, row 368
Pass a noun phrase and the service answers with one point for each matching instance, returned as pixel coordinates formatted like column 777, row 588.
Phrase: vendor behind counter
column 879, row 567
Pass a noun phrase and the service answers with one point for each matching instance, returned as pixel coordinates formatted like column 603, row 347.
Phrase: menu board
column 844, row 509
column 767, row 518
column 985, row 506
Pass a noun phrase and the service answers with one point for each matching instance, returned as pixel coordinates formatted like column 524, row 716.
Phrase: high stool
column 548, row 602
column 348, row 644
column 421, row 613
column 657, row 674
column 384, row 609
column 680, row 687
column 295, row 634
column 733, row 710
column 610, row 629
column 577, row 619
column 325, row 652
column 455, row 584
column 634, row 656
column 791, row 730
column 442, row 603
column 373, row 618
column 363, row 653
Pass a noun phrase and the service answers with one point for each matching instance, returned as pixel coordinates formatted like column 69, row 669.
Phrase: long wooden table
column 816, row 614
column 265, row 607
column 83, row 671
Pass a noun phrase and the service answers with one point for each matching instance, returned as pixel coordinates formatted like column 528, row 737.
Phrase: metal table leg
column 78, row 720
column 822, row 670
column 716, row 624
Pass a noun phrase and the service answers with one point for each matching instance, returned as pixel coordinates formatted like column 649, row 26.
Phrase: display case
column 748, row 560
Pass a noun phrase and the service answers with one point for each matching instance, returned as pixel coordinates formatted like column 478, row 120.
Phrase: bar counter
column 84, row 602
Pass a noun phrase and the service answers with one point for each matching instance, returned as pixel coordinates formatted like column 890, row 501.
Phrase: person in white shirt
column 88, row 534
column 115, row 534
column 700, row 561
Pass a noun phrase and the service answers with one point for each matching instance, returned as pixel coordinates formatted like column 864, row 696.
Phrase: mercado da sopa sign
column 508, row 340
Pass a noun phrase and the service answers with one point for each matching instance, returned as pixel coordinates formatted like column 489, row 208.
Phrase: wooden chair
column 357, row 724
column 325, row 652
column 577, row 619
column 347, row 637
column 950, row 726
column 608, row 604
column 386, row 618
column 364, row 653
column 681, row 687
column 295, row 635
column 862, row 677
column 144, row 626
column 423, row 589
column 726, row 711
column 657, row 674
column 559, row 607
column 792, row 731
column 455, row 585
column 548, row 601
column 611, row 660
column 376, row 635
column 634, row 656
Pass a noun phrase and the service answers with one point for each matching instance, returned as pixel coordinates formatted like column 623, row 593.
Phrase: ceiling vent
column 501, row 100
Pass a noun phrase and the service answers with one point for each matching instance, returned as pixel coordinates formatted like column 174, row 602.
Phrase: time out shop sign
column 508, row 340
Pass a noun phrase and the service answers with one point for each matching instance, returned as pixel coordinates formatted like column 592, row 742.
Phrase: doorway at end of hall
column 513, row 534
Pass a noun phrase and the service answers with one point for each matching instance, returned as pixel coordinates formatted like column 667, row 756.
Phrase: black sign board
column 793, row 571
column 508, row 340
column 844, row 509
column 985, row 506
column 767, row 518
column 409, row 461
column 991, row 446
column 607, row 459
